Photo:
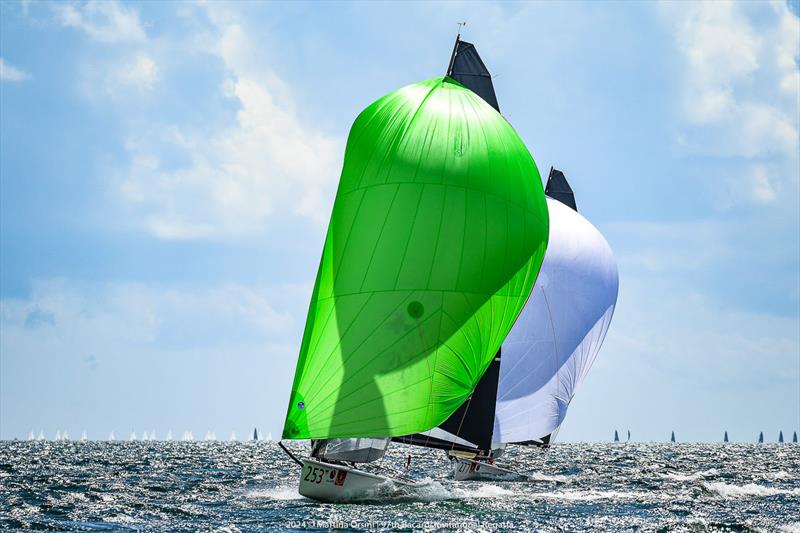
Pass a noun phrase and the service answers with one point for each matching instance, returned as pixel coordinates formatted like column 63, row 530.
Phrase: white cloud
column 140, row 72
column 740, row 88
column 103, row 21
column 269, row 163
column 95, row 316
column 9, row 72
column 157, row 355
column 762, row 189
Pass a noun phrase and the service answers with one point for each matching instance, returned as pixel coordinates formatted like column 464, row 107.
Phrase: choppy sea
column 246, row 486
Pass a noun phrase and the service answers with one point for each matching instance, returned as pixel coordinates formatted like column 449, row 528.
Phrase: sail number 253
column 315, row 474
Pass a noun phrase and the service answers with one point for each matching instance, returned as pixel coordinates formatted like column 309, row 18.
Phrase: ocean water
column 208, row 486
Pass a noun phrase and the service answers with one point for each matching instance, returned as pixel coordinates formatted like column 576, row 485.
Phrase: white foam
column 690, row 477
column 726, row 490
column 536, row 476
column 281, row 493
column 794, row 527
column 587, row 495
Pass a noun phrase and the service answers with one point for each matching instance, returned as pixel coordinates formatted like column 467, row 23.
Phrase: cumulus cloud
column 269, row 163
column 103, row 21
column 741, row 86
column 9, row 72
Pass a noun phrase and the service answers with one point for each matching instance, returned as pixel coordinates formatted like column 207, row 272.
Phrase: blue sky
column 167, row 171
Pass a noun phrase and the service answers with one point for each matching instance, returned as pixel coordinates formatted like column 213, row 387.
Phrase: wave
column 536, row 476
column 276, row 493
column 588, row 495
column 794, row 527
column 677, row 476
column 726, row 490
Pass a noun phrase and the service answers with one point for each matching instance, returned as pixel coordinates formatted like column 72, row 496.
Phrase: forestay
column 557, row 336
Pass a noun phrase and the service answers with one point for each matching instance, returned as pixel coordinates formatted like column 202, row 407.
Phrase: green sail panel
column 436, row 237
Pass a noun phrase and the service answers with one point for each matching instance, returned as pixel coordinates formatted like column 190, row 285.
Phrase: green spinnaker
column 437, row 234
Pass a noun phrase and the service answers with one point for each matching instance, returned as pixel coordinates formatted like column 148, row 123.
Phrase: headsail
column 437, row 233
column 559, row 333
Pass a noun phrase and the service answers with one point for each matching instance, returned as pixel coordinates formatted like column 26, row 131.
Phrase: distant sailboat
column 672, row 438
column 58, row 435
column 255, row 433
column 65, row 436
column 169, row 435
column 210, row 435
column 233, row 436
column 111, row 436
column 794, row 437
column 616, row 436
column 84, row 437
column 31, row 436
column 629, row 436
column 41, row 435
column 132, row 436
column 188, row 435
column 144, row 436
column 726, row 437
column 761, row 437
column 780, row 437
column 269, row 437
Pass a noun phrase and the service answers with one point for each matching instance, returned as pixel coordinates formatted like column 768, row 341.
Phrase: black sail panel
column 467, row 68
column 557, row 188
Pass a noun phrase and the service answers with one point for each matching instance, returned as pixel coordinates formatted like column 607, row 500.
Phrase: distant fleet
column 725, row 437
column 61, row 436
column 212, row 436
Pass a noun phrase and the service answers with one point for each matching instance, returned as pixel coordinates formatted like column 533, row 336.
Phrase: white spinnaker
column 559, row 332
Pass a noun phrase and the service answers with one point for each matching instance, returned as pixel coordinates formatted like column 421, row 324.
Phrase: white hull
column 470, row 470
column 336, row 483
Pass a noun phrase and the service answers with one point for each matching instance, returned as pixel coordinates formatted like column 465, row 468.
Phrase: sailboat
column 672, row 437
column 616, row 436
column 574, row 297
column 556, row 338
column 761, row 438
column 255, row 434
column 437, row 234
column 725, row 439
column 780, row 437
column 794, row 437
column 629, row 436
